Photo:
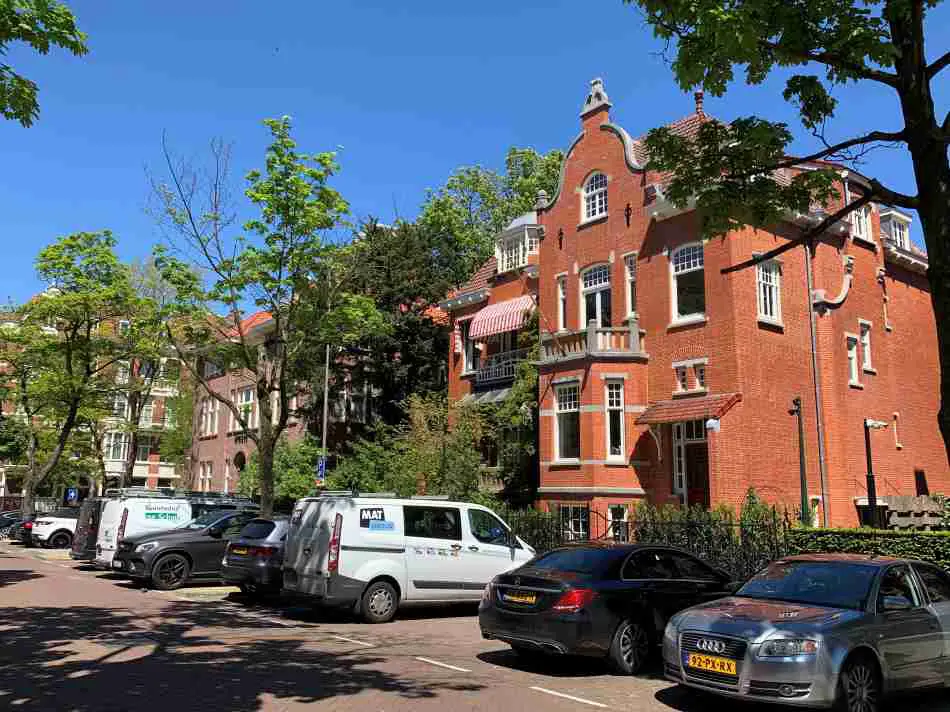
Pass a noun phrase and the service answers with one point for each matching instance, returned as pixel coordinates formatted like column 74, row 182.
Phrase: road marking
column 569, row 697
column 351, row 640
column 443, row 665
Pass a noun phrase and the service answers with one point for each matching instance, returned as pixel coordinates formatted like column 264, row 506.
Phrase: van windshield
column 205, row 520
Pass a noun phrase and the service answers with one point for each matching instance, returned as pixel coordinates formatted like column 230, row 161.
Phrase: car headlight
column 146, row 546
column 670, row 634
column 788, row 647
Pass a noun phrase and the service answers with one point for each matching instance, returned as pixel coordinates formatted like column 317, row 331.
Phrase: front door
column 907, row 630
column 210, row 549
column 936, row 584
column 434, row 553
column 697, row 474
column 486, row 550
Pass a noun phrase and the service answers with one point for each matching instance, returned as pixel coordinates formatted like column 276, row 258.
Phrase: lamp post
column 870, row 425
column 802, row 475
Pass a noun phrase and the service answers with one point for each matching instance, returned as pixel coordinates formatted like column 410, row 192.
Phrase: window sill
column 467, row 374
column 632, row 316
column 570, row 461
column 866, row 241
column 770, row 323
column 870, row 369
column 615, row 462
column 687, row 321
column 691, row 392
column 591, row 221
column 856, row 384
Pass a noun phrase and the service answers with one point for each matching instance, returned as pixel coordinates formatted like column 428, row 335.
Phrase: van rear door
column 308, row 541
column 434, row 553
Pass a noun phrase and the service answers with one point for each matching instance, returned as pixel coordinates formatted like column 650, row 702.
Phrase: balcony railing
column 500, row 367
column 621, row 342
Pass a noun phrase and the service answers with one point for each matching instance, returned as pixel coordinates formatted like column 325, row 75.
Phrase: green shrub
column 926, row 546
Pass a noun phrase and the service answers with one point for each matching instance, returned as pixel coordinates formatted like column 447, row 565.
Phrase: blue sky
column 409, row 90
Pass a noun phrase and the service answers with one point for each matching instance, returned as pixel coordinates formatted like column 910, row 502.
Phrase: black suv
column 192, row 551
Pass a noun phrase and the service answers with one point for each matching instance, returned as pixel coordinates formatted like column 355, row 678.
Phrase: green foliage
column 177, row 437
column 422, row 453
column 295, row 467
column 14, row 437
column 925, row 546
column 41, row 24
column 476, row 203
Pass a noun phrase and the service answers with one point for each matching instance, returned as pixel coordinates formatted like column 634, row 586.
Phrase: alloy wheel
column 861, row 688
column 381, row 602
column 60, row 541
column 634, row 646
column 171, row 571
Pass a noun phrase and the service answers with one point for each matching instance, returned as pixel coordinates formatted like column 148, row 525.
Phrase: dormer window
column 899, row 233
column 595, row 196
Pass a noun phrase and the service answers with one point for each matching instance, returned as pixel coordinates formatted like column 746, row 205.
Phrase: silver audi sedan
column 818, row 630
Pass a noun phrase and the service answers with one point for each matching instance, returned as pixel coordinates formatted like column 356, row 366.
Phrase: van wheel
column 379, row 602
column 630, row 648
column 170, row 572
column 60, row 540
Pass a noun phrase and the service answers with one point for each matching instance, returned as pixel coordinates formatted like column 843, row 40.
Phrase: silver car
column 817, row 630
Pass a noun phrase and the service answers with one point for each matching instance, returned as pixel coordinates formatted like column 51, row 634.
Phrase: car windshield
column 205, row 520
column 834, row 584
column 579, row 561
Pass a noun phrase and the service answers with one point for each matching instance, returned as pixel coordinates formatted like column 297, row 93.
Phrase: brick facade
column 753, row 366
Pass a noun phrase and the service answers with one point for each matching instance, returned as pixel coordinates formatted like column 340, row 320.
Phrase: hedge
column 925, row 546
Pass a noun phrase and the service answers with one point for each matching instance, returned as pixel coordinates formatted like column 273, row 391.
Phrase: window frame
column 598, row 290
column 919, row 597
column 900, row 233
column 676, row 273
column 144, row 441
column 681, row 377
column 576, row 514
column 941, row 575
column 864, row 335
column 458, row 522
column 561, row 302
column 854, row 367
column 575, row 409
column 594, row 205
column 471, row 528
column 470, row 354
column 610, row 408
column 630, row 282
column 861, row 224
column 768, row 279
column 699, row 376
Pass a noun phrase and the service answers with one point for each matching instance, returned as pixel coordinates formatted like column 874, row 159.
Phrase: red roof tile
column 479, row 280
column 437, row 316
column 251, row 322
column 689, row 408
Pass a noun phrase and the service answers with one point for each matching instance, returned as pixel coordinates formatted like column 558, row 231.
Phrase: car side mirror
column 216, row 532
column 897, row 603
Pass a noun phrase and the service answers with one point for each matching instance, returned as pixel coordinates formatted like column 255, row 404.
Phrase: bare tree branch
column 835, row 61
column 938, row 65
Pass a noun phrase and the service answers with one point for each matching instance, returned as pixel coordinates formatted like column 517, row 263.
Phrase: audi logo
column 711, row 646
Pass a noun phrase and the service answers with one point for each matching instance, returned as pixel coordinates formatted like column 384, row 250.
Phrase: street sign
column 321, row 478
column 72, row 495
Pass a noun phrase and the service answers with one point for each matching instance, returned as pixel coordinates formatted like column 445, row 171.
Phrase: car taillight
column 333, row 558
column 27, row 525
column 488, row 593
column 121, row 533
column 574, row 599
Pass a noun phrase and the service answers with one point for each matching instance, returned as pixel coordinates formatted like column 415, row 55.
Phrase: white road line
column 351, row 640
column 443, row 665
column 569, row 697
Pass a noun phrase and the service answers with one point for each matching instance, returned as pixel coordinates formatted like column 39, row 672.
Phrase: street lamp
column 796, row 410
column 870, row 425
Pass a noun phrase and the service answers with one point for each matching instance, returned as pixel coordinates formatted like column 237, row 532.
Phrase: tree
column 41, row 24
column 283, row 268
column 731, row 169
column 476, row 203
column 295, row 470
column 60, row 352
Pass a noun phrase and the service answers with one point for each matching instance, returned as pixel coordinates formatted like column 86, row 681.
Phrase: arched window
column 689, row 289
column 595, row 196
column 595, row 291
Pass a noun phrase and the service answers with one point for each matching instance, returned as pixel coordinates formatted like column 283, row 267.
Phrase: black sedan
column 168, row 559
column 609, row 601
column 253, row 561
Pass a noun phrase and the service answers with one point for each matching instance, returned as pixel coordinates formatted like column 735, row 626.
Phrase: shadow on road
column 8, row 578
column 93, row 659
column 548, row 665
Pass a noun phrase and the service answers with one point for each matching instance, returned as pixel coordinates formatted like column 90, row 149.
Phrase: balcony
column 152, row 423
column 621, row 343
column 500, row 367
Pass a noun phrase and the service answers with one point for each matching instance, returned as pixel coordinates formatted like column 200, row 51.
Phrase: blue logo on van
column 381, row 525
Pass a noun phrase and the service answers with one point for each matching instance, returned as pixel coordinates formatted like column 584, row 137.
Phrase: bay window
column 567, row 428
column 689, row 289
column 595, row 290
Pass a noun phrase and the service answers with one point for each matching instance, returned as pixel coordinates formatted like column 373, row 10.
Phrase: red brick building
column 663, row 379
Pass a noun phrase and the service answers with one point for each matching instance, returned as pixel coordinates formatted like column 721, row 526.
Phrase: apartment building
column 663, row 379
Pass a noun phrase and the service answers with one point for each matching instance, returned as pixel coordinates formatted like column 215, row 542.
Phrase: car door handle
column 473, row 548
column 456, row 547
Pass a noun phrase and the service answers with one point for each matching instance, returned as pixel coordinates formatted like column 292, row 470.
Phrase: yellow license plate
column 239, row 550
column 711, row 663
column 529, row 598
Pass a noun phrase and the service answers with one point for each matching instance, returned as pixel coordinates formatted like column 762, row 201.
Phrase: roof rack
column 431, row 497
column 354, row 493
column 139, row 492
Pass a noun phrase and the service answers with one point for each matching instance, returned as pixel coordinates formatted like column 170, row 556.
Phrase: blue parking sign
column 72, row 494
column 321, row 471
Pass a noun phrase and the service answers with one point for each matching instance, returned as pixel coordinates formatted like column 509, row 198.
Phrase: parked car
column 7, row 520
column 22, row 531
column 254, row 560
column 602, row 600
column 378, row 552
column 169, row 559
column 87, row 529
column 55, row 530
column 817, row 630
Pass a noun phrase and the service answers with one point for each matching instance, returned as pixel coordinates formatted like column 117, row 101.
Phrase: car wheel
column 859, row 686
column 60, row 540
column 379, row 602
column 170, row 572
column 630, row 648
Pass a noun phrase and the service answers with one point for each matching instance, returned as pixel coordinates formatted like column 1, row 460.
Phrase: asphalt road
column 72, row 638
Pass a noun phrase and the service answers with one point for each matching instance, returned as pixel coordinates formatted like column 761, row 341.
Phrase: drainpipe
column 819, row 418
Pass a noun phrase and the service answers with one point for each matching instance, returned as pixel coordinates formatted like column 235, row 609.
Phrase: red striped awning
column 504, row 316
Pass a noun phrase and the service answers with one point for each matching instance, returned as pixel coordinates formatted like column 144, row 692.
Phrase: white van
column 376, row 552
column 133, row 514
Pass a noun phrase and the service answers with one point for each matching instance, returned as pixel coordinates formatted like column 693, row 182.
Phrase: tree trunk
column 265, row 455
column 29, row 497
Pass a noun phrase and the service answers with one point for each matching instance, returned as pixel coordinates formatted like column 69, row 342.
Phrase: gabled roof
column 480, row 280
column 250, row 323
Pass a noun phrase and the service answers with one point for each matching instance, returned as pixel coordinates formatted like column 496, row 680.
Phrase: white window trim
column 774, row 319
column 557, row 459
column 587, row 192
column 561, row 302
column 628, row 259
column 699, row 387
column 854, row 373
column 864, row 330
column 675, row 319
column 468, row 346
column 897, row 438
column 677, row 372
column 582, row 304
column 622, row 457
column 861, row 225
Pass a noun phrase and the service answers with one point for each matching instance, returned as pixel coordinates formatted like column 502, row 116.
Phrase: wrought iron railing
column 501, row 366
